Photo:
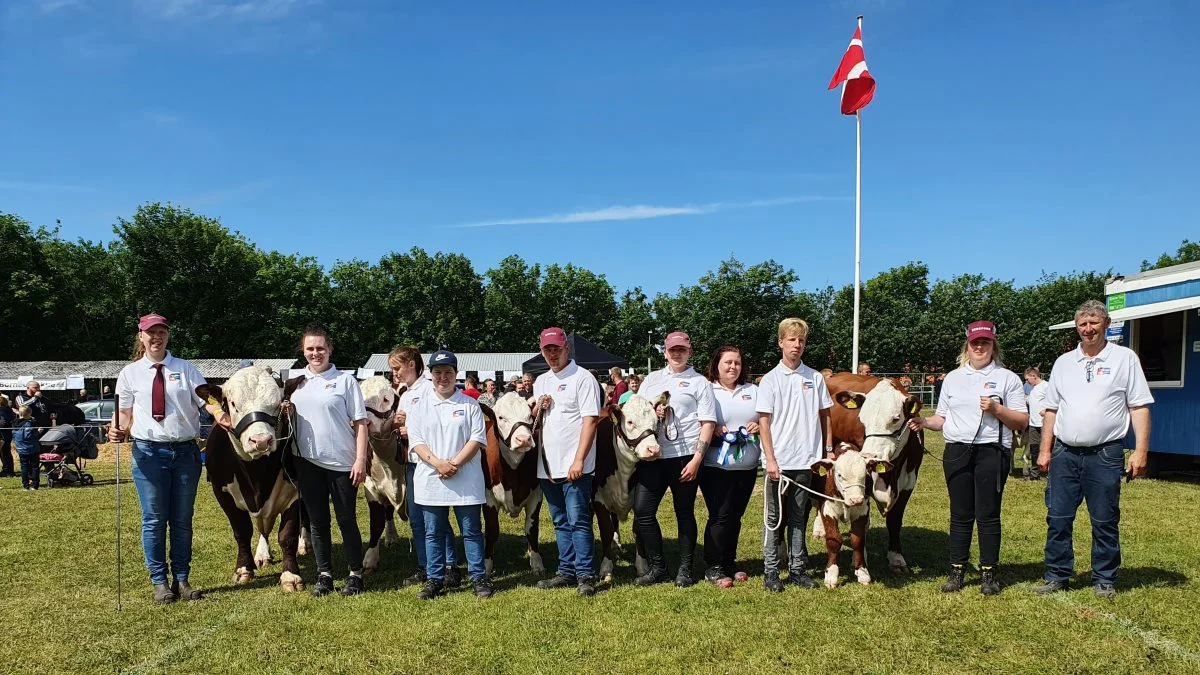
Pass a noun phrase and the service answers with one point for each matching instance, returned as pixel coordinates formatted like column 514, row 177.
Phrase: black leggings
column 726, row 494
column 650, row 482
column 6, row 456
column 975, row 477
column 317, row 485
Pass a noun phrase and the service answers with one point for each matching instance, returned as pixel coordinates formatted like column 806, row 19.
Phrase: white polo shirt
column 1096, row 412
column 326, row 404
column 691, row 399
column 735, row 409
column 959, row 403
column 576, row 395
column 445, row 425
column 135, row 387
column 794, row 399
column 408, row 400
column 1037, row 403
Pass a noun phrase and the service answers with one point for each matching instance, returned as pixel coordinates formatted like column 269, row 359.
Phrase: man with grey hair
column 1097, row 391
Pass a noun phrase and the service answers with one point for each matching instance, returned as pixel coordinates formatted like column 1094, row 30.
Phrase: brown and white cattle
column 872, row 414
column 510, row 476
column 843, row 482
column 245, row 468
column 385, row 484
column 625, row 435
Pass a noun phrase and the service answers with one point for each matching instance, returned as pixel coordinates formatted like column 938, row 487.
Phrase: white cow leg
column 290, row 583
column 831, row 576
column 371, row 559
column 390, row 536
column 606, row 570
column 818, row 530
column 302, row 545
column 863, row 576
column 535, row 564
column 262, row 555
column 896, row 562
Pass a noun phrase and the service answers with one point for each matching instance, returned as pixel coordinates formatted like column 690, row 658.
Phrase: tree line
column 226, row 297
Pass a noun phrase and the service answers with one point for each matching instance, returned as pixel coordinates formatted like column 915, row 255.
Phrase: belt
column 1088, row 449
column 169, row 444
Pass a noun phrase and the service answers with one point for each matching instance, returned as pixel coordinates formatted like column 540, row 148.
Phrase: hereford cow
column 843, row 481
column 510, row 476
column 872, row 414
column 625, row 435
column 385, row 484
column 245, row 468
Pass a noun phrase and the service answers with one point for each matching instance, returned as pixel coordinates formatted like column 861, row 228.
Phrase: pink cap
column 678, row 339
column 150, row 320
column 981, row 329
column 553, row 336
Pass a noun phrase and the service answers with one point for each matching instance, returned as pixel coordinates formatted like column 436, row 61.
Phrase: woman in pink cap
column 686, row 407
column 159, row 408
column 982, row 403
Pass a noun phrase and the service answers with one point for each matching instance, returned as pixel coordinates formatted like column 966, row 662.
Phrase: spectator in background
column 37, row 405
column 527, row 385
column 1036, row 398
column 8, row 417
column 488, row 396
column 864, row 369
column 25, row 437
column 471, row 387
column 83, row 396
column 635, row 383
column 620, row 386
column 106, row 393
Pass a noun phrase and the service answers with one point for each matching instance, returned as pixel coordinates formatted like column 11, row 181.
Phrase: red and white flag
column 858, row 87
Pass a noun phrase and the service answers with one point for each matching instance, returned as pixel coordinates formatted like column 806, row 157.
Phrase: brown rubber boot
column 184, row 591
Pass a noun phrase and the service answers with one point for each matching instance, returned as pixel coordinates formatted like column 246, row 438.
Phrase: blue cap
column 443, row 357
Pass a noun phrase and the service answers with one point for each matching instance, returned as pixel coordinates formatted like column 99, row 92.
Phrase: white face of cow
column 381, row 405
column 850, row 475
column 514, row 422
column 638, row 424
column 251, row 397
column 883, row 412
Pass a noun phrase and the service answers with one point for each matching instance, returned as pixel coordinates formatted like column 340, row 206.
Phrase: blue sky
column 644, row 140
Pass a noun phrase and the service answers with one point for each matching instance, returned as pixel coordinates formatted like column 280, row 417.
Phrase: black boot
column 323, row 587
column 954, row 582
column 654, row 575
column 988, row 583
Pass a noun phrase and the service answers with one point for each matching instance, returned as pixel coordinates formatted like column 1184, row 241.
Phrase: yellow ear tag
column 213, row 401
column 881, row 468
column 821, row 471
column 851, row 403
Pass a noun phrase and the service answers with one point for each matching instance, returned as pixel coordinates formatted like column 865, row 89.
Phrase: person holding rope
column 793, row 407
column 446, row 434
column 730, row 464
column 158, row 405
column 566, row 398
column 407, row 370
column 331, row 439
column 688, row 418
column 981, row 405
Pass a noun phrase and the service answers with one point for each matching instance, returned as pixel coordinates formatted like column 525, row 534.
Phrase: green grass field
column 58, row 603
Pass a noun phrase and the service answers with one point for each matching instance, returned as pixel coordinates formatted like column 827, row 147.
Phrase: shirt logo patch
column 808, row 384
column 174, row 377
column 1104, row 370
column 415, row 399
column 331, row 385
column 990, row 385
column 684, row 384
column 562, row 387
column 459, row 413
column 746, row 397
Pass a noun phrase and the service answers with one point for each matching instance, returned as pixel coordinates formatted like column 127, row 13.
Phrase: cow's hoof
column 371, row 560
column 535, row 564
column 606, row 570
column 243, row 576
column 863, row 576
column 831, row 576
column 291, row 583
column 896, row 563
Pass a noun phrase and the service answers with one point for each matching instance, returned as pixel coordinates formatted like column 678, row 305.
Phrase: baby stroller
column 67, row 448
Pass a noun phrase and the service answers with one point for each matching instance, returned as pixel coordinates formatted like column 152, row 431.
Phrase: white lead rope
column 781, row 488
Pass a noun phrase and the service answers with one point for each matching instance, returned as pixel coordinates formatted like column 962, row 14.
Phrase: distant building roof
column 477, row 361
column 108, row 370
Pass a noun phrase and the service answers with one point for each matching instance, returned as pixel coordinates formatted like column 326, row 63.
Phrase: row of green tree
column 226, row 297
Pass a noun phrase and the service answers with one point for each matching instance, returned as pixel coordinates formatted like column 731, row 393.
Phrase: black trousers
column 650, row 482
column 6, row 458
column 726, row 494
column 975, row 477
column 318, row 486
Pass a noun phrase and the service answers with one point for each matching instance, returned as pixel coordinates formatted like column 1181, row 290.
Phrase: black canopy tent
column 587, row 356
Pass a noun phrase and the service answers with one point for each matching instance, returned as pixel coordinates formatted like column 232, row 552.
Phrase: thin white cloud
column 643, row 212
column 36, row 186
column 211, row 10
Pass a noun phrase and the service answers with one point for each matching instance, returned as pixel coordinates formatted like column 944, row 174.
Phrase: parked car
column 98, row 413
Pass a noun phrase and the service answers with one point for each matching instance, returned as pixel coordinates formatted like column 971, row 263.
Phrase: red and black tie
column 158, row 397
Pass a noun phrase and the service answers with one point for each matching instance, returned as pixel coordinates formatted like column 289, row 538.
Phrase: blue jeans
column 439, row 539
column 571, row 512
column 1078, row 474
column 416, row 520
column 31, row 471
column 166, row 476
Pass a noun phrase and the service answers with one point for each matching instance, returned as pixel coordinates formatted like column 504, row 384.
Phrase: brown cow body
column 512, row 487
column 888, row 407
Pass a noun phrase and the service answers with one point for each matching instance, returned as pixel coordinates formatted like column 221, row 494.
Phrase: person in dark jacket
column 25, row 437
column 7, row 417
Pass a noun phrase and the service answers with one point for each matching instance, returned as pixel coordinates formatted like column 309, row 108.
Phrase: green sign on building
column 1116, row 301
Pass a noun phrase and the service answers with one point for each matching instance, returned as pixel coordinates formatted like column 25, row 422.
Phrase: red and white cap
column 553, row 336
column 981, row 329
column 678, row 339
column 151, row 320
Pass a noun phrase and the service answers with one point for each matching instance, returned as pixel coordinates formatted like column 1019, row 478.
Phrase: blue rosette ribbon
column 735, row 443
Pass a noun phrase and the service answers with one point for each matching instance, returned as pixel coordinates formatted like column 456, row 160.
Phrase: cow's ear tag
column 213, row 402
column 881, row 468
column 914, row 407
column 822, row 471
column 851, row 403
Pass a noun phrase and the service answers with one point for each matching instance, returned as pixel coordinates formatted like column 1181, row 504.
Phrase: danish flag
column 858, row 87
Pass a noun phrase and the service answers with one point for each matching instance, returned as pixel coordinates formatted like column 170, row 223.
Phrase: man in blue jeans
column 568, row 399
column 1096, row 393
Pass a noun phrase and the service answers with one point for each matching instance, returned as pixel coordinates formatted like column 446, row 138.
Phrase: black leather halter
column 256, row 416
column 619, row 428
column 385, row 415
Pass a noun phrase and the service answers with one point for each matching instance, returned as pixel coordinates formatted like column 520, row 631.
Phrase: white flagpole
column 857, row 229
